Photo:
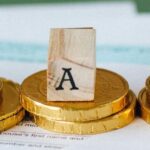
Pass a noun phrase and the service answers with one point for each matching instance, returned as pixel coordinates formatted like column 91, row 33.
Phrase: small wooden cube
column 71, row 64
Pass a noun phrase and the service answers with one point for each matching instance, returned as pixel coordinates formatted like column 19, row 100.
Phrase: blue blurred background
column 123, row 28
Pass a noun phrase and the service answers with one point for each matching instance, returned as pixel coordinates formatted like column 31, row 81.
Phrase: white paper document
column 27, row 135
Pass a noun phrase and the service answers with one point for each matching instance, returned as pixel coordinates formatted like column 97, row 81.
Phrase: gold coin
column 112, row 122
column 11, row 111
column 110, row 92
column 144, row 105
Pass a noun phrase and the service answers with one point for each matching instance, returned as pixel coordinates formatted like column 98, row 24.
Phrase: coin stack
column 112, row 108
column 11, row 111
column 144, row 102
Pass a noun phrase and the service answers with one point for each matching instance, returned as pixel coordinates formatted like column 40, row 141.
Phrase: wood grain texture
column 75, row 49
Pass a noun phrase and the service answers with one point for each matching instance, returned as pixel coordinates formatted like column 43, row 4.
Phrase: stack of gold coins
column 11, row 111
column 144, row 102
column 112, row 108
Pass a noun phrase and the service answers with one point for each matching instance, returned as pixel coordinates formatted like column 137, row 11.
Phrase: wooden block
column 71, row 65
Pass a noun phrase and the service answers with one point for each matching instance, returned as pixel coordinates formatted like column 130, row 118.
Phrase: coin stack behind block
column 72, row 96
column 144, row 102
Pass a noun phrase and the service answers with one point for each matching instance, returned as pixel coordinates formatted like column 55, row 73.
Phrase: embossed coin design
column 11, row 111
column 112, row 122
column 110, row 97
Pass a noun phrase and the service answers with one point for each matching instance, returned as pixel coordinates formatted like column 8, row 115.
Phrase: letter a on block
column 71, row 65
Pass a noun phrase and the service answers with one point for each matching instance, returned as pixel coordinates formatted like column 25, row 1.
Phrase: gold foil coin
column 11, row 111
column 144, row 105
column 110, row 97
column 112, row 122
